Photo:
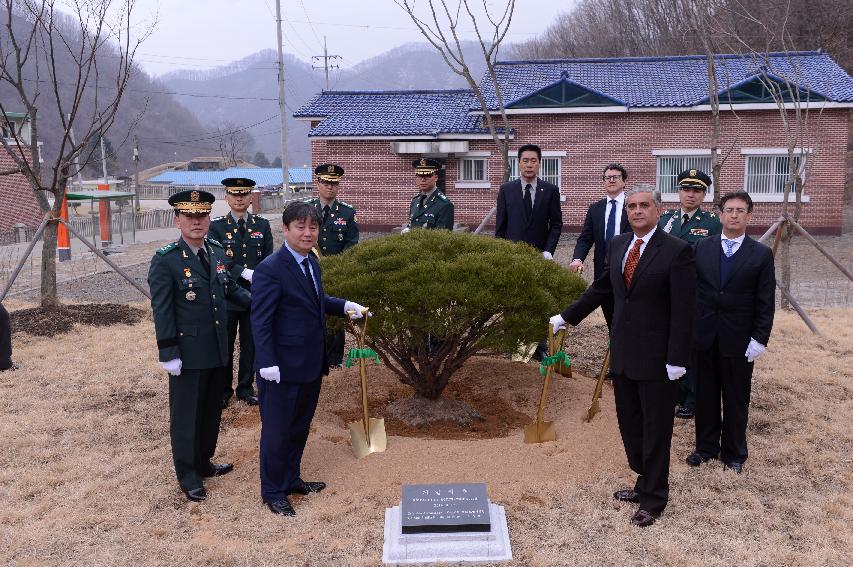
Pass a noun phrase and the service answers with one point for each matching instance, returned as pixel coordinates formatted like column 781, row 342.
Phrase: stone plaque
column 443, row 508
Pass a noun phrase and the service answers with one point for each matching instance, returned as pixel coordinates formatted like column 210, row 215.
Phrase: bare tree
column 38, row 44
column 234, row 142
column 443, row 34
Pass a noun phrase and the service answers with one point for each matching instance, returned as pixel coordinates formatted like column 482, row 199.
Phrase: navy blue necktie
column 528, row 201
column 308, row 277
column 611, row 224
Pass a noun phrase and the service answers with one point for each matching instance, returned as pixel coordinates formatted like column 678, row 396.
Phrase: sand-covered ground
column 86, row 476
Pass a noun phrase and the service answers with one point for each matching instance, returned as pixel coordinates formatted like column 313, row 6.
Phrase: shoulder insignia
column 345, row 204
column 168, row 248
column 258, row 219
column 442, row 196
column 311, row 201
column 217, row 219
column 214, row 242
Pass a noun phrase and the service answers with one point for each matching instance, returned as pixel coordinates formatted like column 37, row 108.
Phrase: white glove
column 270, row 373
column 246, row 274
column 173, row 366
column 576, row 266
column 547, row 255
column 405, row 230
column 754, row 350
column 675, row 372
column 557, row 322
column 359, row 309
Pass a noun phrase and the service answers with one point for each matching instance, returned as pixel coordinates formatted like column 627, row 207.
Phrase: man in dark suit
column 605, row 219
column 190, row 286
column 247, row 240
column 650, row 279
column 289, row 308
column 735, row 304
column 529, row 208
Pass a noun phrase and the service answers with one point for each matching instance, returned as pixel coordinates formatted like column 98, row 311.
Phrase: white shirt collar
column 739, row 239
column 620, row 198
column 646, row 237
column 296, row 255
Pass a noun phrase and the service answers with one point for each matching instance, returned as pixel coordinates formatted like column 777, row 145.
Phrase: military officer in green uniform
column 247, row 240
column 430, row 208
column 691, row 224
column 190, row 286
column 338, row 232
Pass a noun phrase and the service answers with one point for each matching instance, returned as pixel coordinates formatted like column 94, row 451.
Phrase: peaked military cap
column 192, row 202
column 238, row 185
column 426, row 166
column 329, row 172
column 694, row 178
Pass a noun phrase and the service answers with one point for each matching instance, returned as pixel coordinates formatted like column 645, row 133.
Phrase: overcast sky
column 201, row 34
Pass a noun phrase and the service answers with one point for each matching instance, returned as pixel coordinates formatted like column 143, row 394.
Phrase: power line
column 216, row 133
column 304, row 11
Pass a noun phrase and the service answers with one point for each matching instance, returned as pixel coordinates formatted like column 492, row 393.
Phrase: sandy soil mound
column 86, row 476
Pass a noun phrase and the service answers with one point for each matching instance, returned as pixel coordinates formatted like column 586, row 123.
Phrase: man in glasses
column 605, row 219
column 735, row 303
column 691, row 224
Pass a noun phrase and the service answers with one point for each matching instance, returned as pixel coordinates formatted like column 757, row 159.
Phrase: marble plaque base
column 452, row 548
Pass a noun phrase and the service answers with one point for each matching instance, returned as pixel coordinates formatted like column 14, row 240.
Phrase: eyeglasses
column 731, row 210
column 612, row 177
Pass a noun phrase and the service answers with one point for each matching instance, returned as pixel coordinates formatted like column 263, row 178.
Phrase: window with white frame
column 670, row 165
column 473, row 169
column 767, row 174
column 549, row 169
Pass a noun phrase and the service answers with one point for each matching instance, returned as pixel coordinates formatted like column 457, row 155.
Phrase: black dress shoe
column 643, row 519
column 218, row 469
column 281, row 507
column 684, row 412
column 733, row 465
column 196, row 494
column 250, row 400
column 307, row 488
column 627, row 495
column 696, row 458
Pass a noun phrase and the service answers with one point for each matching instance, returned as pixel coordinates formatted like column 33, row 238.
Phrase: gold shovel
column 596, row 394
column 541, row 431
column 367, row 434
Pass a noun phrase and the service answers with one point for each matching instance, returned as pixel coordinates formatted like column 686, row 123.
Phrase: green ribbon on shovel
column 357, row 353
column 560, row 356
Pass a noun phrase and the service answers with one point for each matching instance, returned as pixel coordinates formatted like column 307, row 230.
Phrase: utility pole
column 326, row 57
column 136, row 206
column 285, row 178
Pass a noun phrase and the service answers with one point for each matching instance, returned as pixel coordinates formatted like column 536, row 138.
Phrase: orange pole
column 63, row 239
column 105, row 218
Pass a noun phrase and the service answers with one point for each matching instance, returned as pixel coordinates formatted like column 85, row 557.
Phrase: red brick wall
column 17, row 202
column 380, row 185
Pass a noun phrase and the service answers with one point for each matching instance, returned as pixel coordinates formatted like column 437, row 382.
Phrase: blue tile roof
column 674, row 81
column 392, row 113
column 635, row 82
column 261, row 175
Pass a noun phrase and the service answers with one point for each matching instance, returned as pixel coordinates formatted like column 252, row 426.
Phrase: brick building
column 650, row 114
column 17, row 203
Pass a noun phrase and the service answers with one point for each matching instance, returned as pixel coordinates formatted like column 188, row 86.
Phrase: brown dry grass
column 86, row 477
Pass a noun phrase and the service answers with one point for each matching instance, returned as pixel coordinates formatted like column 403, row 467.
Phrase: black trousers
column 240, row 321
column 195, row 408
column 687, row 385
column 287, row 409
column 727, row 380
column 644, row 410
column 5, row 339
column 335, row 341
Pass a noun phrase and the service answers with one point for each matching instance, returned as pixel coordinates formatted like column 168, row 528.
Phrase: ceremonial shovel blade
column 541, row 431
column 596, row 394
column 367, row 434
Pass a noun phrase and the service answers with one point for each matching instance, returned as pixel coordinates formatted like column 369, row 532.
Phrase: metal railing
column 89, row 226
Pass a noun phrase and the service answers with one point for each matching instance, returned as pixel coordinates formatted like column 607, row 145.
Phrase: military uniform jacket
column 190, row 314
column 437, row 212
column 340, row 231
column 242, row 251
column 700, row 226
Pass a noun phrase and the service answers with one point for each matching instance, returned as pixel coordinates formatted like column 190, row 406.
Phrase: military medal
column 187, row 273
column 190, row 295
column 229, row 253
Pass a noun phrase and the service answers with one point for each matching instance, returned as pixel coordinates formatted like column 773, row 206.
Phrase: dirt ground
column 86, row 476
